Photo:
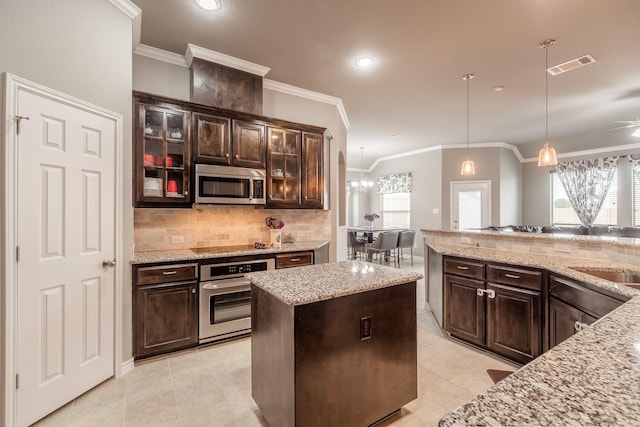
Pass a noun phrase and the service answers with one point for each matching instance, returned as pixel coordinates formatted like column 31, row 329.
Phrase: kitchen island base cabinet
column 348, row 361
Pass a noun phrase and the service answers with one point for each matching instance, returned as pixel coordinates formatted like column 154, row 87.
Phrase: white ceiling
column 422, row 49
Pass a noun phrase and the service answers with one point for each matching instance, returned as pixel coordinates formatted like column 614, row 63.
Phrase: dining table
column 370, row 232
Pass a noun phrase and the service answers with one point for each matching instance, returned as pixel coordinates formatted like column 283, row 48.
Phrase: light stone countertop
column 554, row 263
column 148, row 257
column 590, row 379
column 313, row 283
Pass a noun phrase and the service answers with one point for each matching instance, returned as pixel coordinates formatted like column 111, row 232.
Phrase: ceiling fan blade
column 619, row 127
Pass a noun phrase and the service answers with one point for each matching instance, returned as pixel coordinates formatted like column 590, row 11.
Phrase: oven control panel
column 234, row 269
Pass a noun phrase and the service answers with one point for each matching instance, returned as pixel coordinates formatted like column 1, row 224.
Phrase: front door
column 470, row 204
column 65, row 229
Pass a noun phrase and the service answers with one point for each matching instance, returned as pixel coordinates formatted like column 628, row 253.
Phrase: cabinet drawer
column 522, row 278
column 295, row 259
column 587, row 300
column 463, row 267
column 166, row 273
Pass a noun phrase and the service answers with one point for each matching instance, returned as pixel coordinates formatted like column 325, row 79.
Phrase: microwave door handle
column 250, row 188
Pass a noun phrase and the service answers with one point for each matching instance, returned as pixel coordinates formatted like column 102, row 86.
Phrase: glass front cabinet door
column 162, row 162
column 283, row 169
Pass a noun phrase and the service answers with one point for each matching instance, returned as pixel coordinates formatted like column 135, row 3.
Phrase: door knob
column 108, row 263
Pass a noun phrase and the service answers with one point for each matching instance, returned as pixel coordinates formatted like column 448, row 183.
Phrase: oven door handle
column 226, row 286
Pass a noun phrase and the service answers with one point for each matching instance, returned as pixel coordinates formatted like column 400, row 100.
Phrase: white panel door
column 65, row 229
column 470, row 204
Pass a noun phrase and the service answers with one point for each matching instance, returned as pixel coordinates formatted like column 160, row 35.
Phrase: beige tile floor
column 211, row 385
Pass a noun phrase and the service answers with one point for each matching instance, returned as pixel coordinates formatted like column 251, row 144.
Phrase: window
column 562, row 212
column 395, row 209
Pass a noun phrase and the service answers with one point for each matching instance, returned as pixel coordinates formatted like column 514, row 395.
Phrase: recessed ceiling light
column 209, row 5
column 395, row 135
column 498, row 88
column 365, row 61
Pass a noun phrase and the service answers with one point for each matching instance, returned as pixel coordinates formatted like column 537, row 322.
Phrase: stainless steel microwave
column 229, row 185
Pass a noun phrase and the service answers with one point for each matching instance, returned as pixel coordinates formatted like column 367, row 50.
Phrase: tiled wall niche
column 205, row 226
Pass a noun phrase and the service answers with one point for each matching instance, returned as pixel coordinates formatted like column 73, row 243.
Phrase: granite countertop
column 147, row 257
column 313, row 283
column 555, row 263
column 591, row 379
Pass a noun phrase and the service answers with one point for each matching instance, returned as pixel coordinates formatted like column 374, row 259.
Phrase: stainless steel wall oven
column 225, row 298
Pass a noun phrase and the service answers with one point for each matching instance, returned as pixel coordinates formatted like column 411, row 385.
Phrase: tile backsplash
column 161, row 229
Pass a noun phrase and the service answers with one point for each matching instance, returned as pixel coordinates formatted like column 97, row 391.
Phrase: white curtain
column 634, row 159
column 587, row 183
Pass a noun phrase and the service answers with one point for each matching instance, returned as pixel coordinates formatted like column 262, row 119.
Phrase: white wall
column 510, row 188
column 426, row 190
column 81, row 48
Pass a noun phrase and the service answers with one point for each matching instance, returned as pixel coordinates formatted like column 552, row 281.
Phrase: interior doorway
column 470, row 205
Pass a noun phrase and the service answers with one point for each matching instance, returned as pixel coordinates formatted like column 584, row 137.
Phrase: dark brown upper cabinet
column 283, row 167
column 249, row 146
column 312, row 170
column 212, row 139
column 161, row 156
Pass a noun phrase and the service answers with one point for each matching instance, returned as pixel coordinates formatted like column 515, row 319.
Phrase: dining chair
column 405, row 240
column 354, row 244
column 387, row 241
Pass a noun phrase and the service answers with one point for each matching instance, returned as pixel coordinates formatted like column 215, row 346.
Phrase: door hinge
column 17, row 253
column 18, row 119
column 17, row 381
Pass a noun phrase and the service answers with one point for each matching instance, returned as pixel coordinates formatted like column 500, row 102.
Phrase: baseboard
column 127, row 366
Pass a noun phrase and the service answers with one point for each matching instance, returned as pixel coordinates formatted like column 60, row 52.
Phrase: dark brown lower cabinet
column 514, row 322
column 165, row 313
column 505, row 318
column 565, row 320
column 465, row 314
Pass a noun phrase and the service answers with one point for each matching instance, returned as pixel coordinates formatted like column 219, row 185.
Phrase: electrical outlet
column 562, row 247
column 176, row 239
column 365, row 328
column 436, row 211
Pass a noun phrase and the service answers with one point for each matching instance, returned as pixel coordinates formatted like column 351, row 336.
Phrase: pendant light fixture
column 547, row 155
column 468, row 168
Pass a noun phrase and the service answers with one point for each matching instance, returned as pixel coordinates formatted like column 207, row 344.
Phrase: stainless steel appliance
column 225, row 298
column 229, row 185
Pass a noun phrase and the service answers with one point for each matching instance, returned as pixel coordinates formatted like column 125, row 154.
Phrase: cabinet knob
column 193, row 290
column 237, row 156
column 227, row 155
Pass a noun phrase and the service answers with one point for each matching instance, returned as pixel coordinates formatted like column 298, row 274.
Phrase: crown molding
column 133, row 12
column 591, row 152
column 194, row 51
column 513, row 148
column 127, row 6
column 308, row 94
column 161, row 55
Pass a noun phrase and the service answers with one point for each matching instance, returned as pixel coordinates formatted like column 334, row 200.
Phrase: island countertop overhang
column 314, row 283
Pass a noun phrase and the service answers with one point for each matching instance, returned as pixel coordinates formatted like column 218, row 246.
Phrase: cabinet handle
column 461, row 267
column 480, row 292
column 512, row 276
column 295, row 259
column 168, row 273
column 577, row 326
column 490, row 293
column 193, row 290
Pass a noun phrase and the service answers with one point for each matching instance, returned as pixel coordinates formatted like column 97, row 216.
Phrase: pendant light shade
column 547, row 155
column 468, row 168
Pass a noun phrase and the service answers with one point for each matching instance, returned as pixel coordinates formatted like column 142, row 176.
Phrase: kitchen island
column 333, row 344
column 591, row 378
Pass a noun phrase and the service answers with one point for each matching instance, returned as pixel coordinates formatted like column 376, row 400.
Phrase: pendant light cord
column 468, row 78
column 546, row 94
